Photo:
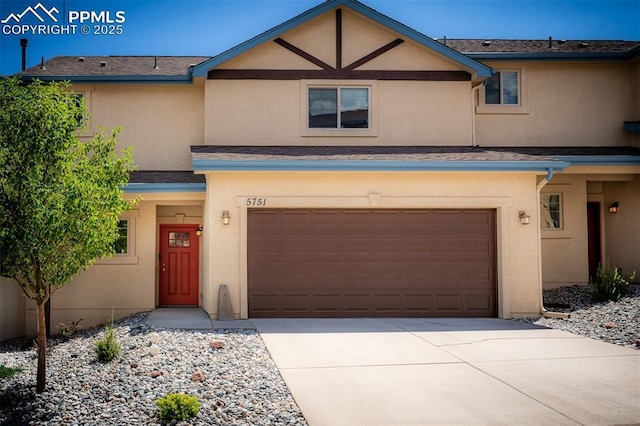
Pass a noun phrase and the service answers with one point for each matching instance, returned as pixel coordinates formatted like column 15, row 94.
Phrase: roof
column 367, row 158
column 466, row 52
column 116, row 68
column 152, row 176
column 165, row 181
column 545, row 49
column 480, row 69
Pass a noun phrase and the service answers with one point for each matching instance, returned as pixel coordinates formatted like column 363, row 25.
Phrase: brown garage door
column 371, row 263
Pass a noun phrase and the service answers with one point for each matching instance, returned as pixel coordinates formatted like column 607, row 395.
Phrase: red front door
column 179, row 265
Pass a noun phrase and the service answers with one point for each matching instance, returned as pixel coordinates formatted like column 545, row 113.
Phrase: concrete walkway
column 191, row 319
column 451, row 372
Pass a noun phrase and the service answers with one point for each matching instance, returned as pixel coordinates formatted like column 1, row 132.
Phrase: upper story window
column 504, row 93
column 503, row 88
column 338, row 108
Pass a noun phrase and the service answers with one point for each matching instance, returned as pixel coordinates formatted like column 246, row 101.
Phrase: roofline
column 164, row 187
column 375, row 166
column 600, row 160
column 482, row 70
column 556, row 56
column 115, row 79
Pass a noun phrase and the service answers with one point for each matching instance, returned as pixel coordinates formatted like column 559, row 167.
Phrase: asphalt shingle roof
column 396, row 153
column 154, row 176
column 171, row 66
column 116, row 66
column 468, row 46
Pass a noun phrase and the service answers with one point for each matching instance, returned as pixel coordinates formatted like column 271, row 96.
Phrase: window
column 179, row 239
column 79, row 99
column 503, row 88
column 121, row 245
column 338, row 108
column 125, row 246
column 551, row 211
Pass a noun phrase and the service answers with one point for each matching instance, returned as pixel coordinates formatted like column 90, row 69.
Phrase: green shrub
column 108, row 347
column 8, row 371
column 609, row 283
column 177, row 406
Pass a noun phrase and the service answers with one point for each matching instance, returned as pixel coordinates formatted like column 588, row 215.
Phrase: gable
column 347, row 40
column 360, row 37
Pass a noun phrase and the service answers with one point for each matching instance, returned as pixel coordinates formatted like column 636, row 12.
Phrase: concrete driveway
column 451, row 372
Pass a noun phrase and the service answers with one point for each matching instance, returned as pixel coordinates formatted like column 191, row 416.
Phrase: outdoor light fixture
column 226, row 218
column 199, row 231
column 613, row 208
column 524, row 217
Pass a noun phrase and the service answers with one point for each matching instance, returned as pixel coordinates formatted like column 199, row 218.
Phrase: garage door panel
column 448, row 302
column 323, row 263
column 479, row 302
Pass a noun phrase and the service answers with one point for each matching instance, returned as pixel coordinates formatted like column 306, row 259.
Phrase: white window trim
column 87, row 131
column 561, row 218
column 128, row 220
column 305, row 131
column 130, row 257
column 566, row 226
column 521, row 108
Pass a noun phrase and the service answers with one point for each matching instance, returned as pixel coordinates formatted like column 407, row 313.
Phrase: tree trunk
column 42, row 350
column 47, row 314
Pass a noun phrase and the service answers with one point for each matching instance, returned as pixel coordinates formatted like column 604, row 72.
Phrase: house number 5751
column 256, row 202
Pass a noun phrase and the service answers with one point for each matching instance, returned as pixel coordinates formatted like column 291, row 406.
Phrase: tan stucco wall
column 128, row 284
column 225, row 257
column 564, row 104
column 12, row 304
column 160, row 122
column 564, row 251
column 634, row 138
column 622, row 237
column 258, row 112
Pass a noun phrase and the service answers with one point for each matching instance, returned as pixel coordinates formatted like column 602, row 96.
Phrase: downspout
column 474, row 94
column 539, row 187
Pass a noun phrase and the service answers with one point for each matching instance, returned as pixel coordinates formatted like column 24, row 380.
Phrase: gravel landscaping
column 612, row 322
column 237, row 384
column 229, row 371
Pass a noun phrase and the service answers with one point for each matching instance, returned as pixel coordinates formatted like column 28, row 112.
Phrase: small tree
column 60, row 197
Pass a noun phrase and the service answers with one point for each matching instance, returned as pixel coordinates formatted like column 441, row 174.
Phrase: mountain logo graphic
column 38, row 11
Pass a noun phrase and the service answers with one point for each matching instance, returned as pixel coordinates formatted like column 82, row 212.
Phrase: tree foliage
column 60, row 195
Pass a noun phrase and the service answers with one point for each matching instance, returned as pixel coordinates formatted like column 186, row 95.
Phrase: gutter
column 543, row 311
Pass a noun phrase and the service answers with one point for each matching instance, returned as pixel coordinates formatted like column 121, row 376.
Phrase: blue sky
column 209, row 27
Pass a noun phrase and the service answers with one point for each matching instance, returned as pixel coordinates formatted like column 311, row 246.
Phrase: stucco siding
column 259, row 112
column 160, row 122
column 12, row 304
column 623, row 228
column 517, row 252
column 562, row 104
column 564, row 250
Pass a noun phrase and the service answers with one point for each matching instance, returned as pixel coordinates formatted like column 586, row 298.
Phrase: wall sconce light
column 226, row 218
column 199, row 231
column 524, row 217
column 613, row 208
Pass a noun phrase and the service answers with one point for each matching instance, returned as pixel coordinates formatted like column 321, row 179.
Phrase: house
column 342, row 164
